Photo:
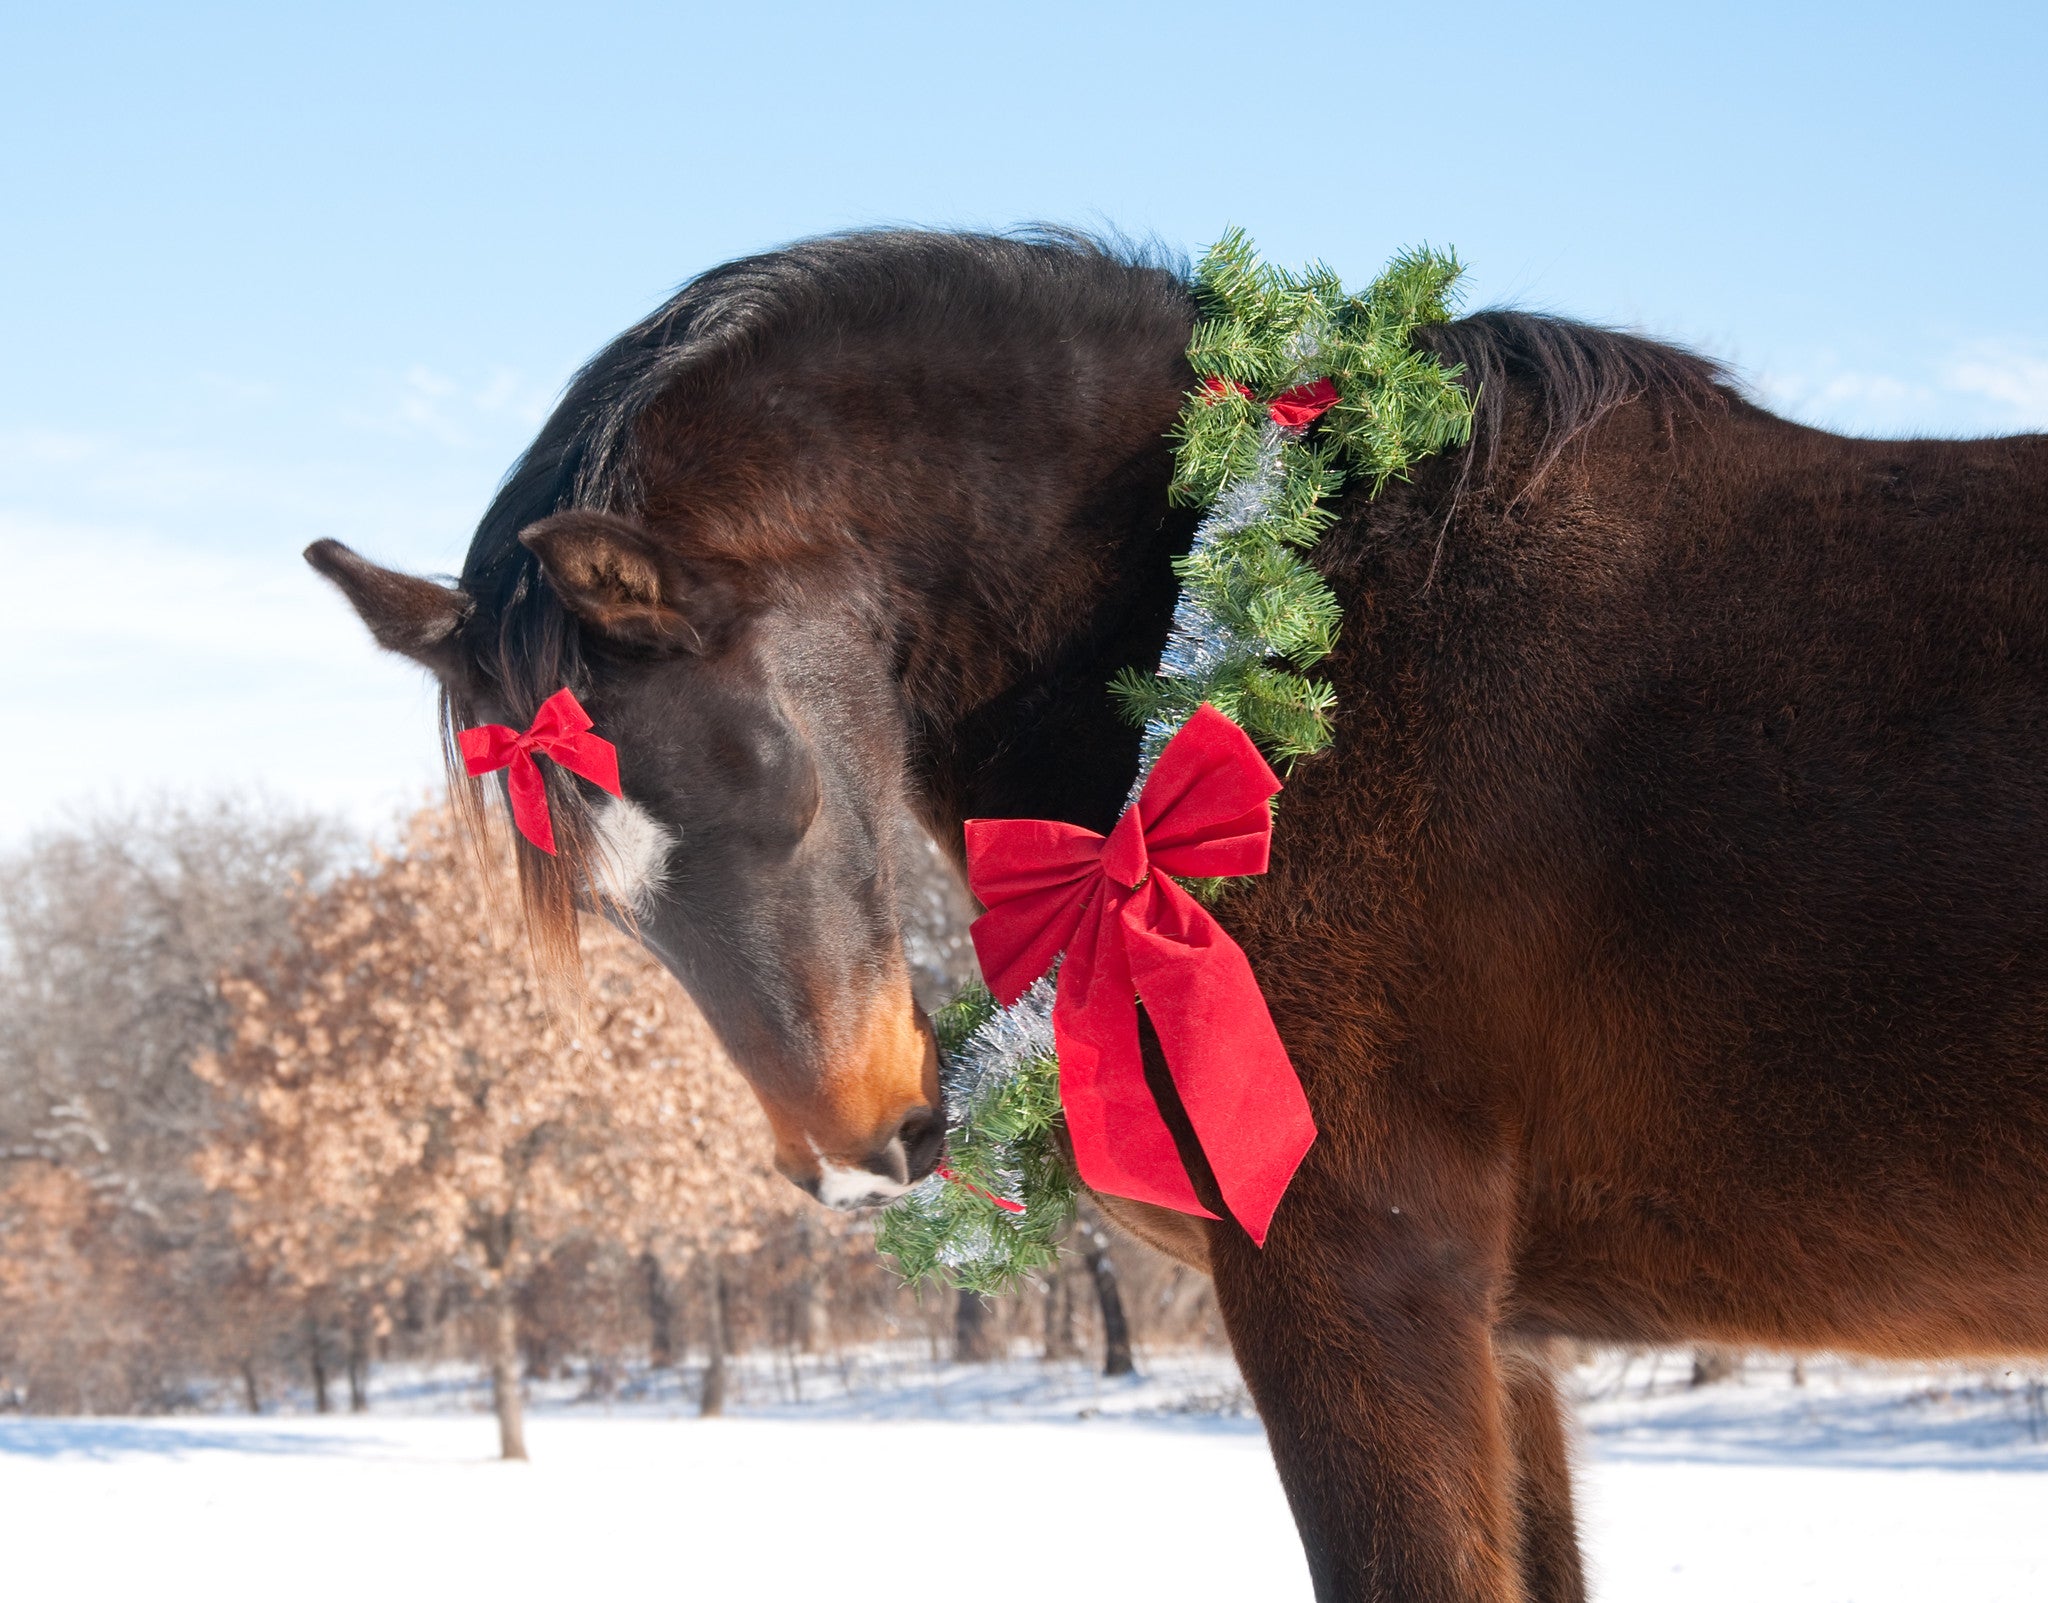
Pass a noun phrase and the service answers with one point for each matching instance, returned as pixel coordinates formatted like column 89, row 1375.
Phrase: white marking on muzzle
column 843, row 1188
column 631, row 860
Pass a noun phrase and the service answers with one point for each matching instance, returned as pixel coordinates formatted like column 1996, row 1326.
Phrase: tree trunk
column 1059, row 1317
column 817, row 1318
column 716, row 1338
column 808, row 1324
column 1712, row 1365
column 358, row 1365
column 802, row 1322
column 251, row 1394
column 316, row 1354
column 505, row 1393
column 974, row 1335
column 1116, row 1329
column 661, row 1313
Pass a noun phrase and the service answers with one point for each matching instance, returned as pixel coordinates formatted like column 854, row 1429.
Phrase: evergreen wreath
column 1253, row 618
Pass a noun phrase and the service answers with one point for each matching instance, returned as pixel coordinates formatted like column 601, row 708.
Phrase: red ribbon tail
column 1121, row 1144
column 966, row 1184
column 1227, row 1060
column 529, row 793
column 591, row 756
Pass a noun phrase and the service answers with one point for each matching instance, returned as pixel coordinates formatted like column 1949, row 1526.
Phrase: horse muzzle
column 884, row 1174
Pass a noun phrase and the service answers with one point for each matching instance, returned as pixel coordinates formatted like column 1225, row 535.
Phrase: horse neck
column 1051, row 570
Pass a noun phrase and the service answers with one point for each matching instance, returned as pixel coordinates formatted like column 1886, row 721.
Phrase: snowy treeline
column 275, row 1107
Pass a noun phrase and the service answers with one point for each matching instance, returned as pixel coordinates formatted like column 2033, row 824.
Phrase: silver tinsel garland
column 1198, row 646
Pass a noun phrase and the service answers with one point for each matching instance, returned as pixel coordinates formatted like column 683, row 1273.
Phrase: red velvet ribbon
column 1291, row 409
column 966, row 1184
column 1130, row 933
column 561, row 731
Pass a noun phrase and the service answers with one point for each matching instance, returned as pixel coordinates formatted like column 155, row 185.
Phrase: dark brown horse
column 1663, row 945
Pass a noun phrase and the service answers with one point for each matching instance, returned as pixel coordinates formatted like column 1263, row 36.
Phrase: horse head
column 753, row 851
column 814, row 546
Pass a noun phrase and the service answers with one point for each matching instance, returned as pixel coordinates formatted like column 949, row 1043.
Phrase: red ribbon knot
column 1291, row 409
column 1130, row 934
column 560, row 731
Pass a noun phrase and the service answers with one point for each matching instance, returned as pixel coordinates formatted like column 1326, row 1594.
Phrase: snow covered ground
column 884, row 1476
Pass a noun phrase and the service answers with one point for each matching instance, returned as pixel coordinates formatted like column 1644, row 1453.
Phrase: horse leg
column 1365, row 1337
column 1551, row 1571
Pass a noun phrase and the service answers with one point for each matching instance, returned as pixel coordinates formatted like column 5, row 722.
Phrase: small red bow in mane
column 1131, row 933
column 560, row 730
column 1291, row 409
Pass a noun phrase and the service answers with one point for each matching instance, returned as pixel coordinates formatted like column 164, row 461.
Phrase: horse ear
column 416, row 618
column 625, row 584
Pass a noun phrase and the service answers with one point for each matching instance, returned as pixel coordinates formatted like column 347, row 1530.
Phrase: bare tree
column 1093, row 1236
column 1060, row 1340
column 113, row 938
column 717, row 1333
column 975, row 1337
column 661, row 1310
column 1711, row 1365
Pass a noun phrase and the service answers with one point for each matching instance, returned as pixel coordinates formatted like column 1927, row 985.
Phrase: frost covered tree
column 119, row 1275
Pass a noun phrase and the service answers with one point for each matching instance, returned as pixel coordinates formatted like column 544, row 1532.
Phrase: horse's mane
column 1576, row 373
column 527, row 644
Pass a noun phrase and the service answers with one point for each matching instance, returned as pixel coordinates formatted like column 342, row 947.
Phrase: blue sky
column 273, row 273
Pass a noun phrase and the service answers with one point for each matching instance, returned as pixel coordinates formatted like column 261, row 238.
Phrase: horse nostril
column 904, row 1159
column 923, row 1133
column 890, row 1162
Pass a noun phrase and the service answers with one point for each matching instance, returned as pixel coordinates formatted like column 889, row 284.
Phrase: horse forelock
column 537, row 653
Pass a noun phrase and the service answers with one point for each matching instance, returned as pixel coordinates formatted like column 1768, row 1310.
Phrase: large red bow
column 561, row 730
column 1130, row 932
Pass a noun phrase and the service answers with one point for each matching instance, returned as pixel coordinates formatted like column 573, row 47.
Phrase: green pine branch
column 1005, row 1141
